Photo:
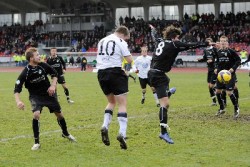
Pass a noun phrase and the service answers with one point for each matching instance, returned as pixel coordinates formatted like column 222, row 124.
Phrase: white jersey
column 111, row 50
column 143, row 65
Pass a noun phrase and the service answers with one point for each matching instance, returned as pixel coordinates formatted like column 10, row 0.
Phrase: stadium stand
column 15, row 39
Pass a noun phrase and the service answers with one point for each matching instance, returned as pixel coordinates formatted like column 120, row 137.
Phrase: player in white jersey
column 142, row 66
column 113, row 80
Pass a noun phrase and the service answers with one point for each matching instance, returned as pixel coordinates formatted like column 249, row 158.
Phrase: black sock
column 220, row 101
column 131, row 76
column 214, row 100
column 169, row 94
column 212, row 94
column 35, row 126
column 224, row 97
column 211, row 91
column 62, row 124
column 66, row 91
column 234, row 100
column 236, row 93
column 163, row 116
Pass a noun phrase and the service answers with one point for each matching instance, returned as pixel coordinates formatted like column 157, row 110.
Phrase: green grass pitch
column 201, row 139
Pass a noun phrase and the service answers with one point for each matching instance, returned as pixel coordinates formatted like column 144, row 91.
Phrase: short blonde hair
column 224, row 37
column 30, row 53
column 123, row 30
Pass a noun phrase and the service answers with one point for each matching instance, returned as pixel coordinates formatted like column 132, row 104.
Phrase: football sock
column 211, row 91
column 107, row 118
column 66, row 91
column 123, row 120
column 35, row 126
column 212, row 94
column 236, row 93
column 156, row 98
column 62, row 124
column 163, row 116
column 234, row 100
column 220, row 101
column 169, row 94
column 143, row 93
column 131, row 76
column 224, row 96
column 214, row 99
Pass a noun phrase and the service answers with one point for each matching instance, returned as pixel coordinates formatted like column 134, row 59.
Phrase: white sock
column 143, row 95
column 156, row 98
column 123, row 125
column 107, row 120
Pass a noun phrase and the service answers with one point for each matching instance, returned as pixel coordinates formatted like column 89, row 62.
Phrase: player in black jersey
column 41, row 93
column 167, row 49
column 227, row 59
column 59, row 65
column 209, row 57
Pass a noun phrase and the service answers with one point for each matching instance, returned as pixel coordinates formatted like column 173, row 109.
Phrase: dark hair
column 30, row 53
column 171, row 32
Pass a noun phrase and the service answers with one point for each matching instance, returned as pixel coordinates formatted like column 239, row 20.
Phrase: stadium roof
column 29, row 6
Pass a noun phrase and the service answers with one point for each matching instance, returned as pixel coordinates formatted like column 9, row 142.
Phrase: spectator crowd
column 16, row 39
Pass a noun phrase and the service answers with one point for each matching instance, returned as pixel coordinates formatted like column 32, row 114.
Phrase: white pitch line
column 92, row 125
column 59, row 130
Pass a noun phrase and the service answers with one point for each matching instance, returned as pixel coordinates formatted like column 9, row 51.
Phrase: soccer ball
column 224, row 76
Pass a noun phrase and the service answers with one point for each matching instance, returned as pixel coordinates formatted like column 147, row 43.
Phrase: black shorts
column 144, row 82
column 61, row 79
column 113, row 80
column 229, row 86
column 160, row 81
column 38, row 102
column 211, row 77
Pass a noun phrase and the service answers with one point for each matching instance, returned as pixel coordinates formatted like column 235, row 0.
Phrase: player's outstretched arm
column 19, row 103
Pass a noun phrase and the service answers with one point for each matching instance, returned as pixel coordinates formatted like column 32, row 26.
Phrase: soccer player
column 41, row 93
column 127, row 66
column 167, row 49
column 227, row 59
column 142, row 65
column 114, row 81
column 83, row 63
column 209, row 57
column 59, row 65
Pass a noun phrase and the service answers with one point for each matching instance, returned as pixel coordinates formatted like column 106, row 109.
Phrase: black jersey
column 166, row 52
column 209, row 54
column 226, row 59
column 57, row 63
column 35, row 79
